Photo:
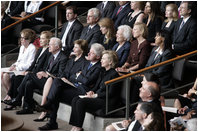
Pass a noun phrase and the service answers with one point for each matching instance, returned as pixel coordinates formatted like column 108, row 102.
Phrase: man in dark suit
column 92, row 32
column 106, row 8
column 120, row 12
column 149, row 92
column 56, row 64
column 71, row 30
column 15, row 8
column 185, row 32
column 83, row 81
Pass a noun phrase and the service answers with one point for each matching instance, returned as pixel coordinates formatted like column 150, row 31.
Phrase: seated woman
column 139, row 51
column 107, row 38
column 153, row 122
column 95, row 99
column 137, row 13
column 122, row 48
column 39, row 64
column 26, row 57
column 73, row 66
column 172, row 15
column 162, row 52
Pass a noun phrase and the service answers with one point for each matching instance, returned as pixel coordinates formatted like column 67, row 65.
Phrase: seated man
column 83, row 81
column 92, row 32
column 56, row 64
column 149, row 92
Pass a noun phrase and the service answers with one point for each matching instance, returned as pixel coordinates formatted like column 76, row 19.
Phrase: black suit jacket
column 108, row 10
column 73, row 67
column 87, row 78
column 73, row 34
column 16, row 7
column 58, row 65
column 93, row 36
column 164, row 72
column 42, row 62
column 119, row 19
column 185, row 40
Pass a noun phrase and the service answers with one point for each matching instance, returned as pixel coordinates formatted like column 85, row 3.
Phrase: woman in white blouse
column 26, row 56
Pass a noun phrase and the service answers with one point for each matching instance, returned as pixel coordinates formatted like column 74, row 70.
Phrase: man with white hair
column 83, row 81
column 92, row 32
column 56, row 65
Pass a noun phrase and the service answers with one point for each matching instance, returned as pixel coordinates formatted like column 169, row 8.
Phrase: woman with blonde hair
column 171, row 15
column 107, row 38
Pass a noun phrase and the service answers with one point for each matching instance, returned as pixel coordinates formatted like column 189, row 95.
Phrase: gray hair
column 98, row 49
column 191, row 124
column 127, row 31
column 57, row 41
column 96, row 12
column 154, row 90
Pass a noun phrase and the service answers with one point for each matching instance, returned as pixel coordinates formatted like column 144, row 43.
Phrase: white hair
column 126, row 31
column 57, row 41
column 96, row 12
column 98, row 49
column 191, row 124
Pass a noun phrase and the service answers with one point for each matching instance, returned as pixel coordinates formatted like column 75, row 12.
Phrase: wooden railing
column 25, row 18
column 127, row 77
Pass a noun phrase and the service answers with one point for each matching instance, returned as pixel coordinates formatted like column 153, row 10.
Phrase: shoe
column 13, row 102
column 46, row 107
column 7, row 108
column 48, row 127
column 42, row 119
column 5, row 101
column 24, row 111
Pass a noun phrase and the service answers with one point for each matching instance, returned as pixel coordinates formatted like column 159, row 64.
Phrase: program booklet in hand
column 118, row 126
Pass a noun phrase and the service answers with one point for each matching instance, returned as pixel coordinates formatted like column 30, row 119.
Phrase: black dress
column 110, row 44
column 169, row 29
column 130, row 21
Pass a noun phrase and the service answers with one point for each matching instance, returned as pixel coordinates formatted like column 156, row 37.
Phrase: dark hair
column 146, row 107
column 157, row 124
column 192, row 6
column 167, row 39
column 83, row 45
column 74, row 8
column 152, row 77
column 155, row 10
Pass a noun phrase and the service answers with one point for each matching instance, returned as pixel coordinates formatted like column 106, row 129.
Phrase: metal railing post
column 127, row 84
column 56, row 21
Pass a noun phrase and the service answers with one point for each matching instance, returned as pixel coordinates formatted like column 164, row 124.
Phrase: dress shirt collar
column 186, row 19
column 91, row 26
column 55, row 55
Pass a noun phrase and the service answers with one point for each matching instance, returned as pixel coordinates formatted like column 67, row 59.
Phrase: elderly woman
column 73, row 66
column 139, row 51
column 26, row 57
column 95, row 99
column 39, row 64
column 172, row 15
column 137, row 14
column 122, row 48
column 107, row 38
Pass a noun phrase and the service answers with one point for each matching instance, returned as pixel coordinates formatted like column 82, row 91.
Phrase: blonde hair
column 109, row 24
column 143, row 28
column 112, row 56
column 174, row 9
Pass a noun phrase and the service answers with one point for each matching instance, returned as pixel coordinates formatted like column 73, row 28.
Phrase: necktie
column 119, row 10
column 51, row 63
column 182, row 24
column 90, row 65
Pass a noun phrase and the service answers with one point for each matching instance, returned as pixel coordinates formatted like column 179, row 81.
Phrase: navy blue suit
column 123, row 52
column 119, row 18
